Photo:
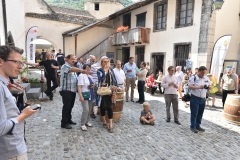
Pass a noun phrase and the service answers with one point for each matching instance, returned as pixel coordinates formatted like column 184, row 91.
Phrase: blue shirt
column 12, row 142
column 128, row 66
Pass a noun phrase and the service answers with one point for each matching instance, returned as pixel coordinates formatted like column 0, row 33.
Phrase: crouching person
column 146, row 115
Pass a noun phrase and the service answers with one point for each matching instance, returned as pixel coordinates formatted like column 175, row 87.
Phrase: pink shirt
column 166, row 80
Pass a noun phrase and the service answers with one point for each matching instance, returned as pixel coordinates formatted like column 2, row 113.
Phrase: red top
column 150, row 81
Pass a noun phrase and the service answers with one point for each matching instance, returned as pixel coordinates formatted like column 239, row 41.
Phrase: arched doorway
column 42, row 45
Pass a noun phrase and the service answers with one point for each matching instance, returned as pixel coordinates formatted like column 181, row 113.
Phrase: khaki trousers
column 130, row 81
column 21, row 157
column 171, row 99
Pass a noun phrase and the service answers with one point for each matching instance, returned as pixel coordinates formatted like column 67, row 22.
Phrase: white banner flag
column 219, row 53
column 30, row 47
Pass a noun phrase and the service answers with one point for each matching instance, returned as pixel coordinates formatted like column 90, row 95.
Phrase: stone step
column 33, row 93
column 27, row 86
column 43, row 97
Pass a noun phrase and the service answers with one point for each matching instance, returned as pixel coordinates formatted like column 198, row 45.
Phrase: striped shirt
column 94, row 69
column 68, row 80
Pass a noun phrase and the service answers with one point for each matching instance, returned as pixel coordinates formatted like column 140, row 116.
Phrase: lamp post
column 217, row 4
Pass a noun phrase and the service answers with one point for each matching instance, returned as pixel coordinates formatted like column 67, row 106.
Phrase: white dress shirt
column 169, row 89
column 201, row 93
column 120, row 75
column 179, row 75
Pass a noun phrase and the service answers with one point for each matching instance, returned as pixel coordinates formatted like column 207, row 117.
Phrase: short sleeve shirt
column 229, row 82
column 143, row 113
column 48, row 66
column 68, row 80
column 201, row 93
column 60, row 58
column 84, row 82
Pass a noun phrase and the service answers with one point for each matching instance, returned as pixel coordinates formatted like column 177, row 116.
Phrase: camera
column 206, row 87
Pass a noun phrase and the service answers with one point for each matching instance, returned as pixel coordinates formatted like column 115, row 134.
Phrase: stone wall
column 206, row 35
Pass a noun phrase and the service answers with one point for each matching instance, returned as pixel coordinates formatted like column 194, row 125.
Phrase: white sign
column 31, row 47
column 219, row 54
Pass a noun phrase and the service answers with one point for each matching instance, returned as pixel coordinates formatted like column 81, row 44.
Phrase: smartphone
column 37, row 107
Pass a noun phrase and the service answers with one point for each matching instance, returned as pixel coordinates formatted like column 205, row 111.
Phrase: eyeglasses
column 19, row 63
column 105, row 61
column 172, row 70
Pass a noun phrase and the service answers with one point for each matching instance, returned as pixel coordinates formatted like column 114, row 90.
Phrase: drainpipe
column 63, row 44
column 5, row 21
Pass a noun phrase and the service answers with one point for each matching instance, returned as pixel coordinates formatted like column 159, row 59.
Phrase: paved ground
column 131, row 140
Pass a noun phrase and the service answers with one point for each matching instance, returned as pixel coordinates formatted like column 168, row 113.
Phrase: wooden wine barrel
column 117, row 109
column 232, row 107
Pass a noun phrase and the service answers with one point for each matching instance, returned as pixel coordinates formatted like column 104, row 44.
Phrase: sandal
column 89, row 124
column 110, row 130
column 84, row 128
column 132, row 100
column 104, row 125
column 126, row 100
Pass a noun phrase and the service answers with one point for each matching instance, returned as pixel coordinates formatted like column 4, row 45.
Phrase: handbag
column 103, row 91
column 86, row 95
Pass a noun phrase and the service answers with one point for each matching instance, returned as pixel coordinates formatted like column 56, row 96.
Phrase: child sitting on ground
column 146, row 115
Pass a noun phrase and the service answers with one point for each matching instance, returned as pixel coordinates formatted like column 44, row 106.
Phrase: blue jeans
column 186, row 90
column 141, row 85
column 197, row 106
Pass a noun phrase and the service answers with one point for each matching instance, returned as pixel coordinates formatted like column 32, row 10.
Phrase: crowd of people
column 95, row 83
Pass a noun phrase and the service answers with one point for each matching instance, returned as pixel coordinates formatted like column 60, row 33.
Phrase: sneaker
column 194, row 130
column 89, row 124
column 168, row 120
column 200, row 129
column 84, row 128
column 152, row 123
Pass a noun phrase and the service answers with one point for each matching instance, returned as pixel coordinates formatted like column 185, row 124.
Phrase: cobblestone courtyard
column 131, row 140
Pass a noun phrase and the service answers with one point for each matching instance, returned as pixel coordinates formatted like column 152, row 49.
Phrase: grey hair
column 118, row 61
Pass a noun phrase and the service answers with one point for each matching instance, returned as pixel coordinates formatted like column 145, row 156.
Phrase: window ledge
column 159, row 30
column 185, row 25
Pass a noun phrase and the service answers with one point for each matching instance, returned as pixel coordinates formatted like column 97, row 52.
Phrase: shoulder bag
column 103, row 91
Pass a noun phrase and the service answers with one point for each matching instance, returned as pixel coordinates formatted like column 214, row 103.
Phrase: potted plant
column 36, row 82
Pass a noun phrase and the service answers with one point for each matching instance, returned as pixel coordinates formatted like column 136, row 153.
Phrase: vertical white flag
column 31, row 47
column 219, row 54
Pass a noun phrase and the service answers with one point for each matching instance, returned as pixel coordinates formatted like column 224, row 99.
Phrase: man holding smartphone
column 12, row 144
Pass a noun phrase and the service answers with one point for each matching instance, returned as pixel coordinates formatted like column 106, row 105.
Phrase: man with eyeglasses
column 68, row 89
column 170, row 83
column 50, row 66
column 12, row 144
column 199, row 84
